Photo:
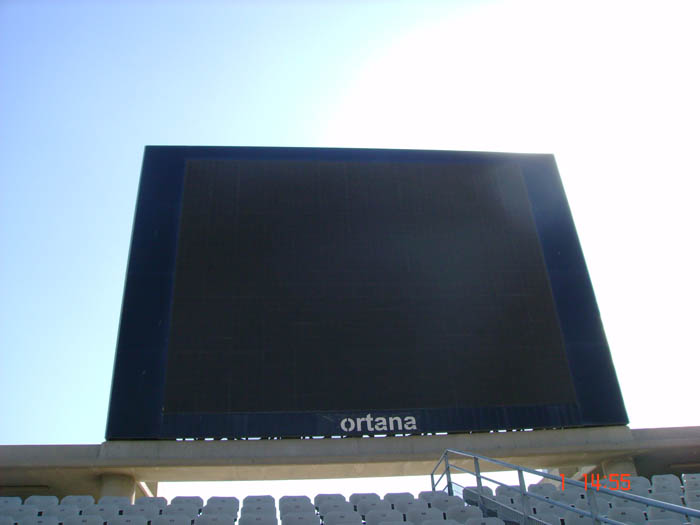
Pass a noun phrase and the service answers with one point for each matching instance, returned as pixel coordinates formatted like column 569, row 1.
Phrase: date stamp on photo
column 614, row 481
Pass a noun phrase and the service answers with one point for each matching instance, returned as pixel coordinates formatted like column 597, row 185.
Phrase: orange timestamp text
column 611, row 482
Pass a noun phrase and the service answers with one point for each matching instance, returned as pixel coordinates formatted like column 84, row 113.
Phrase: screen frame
column 138, row 383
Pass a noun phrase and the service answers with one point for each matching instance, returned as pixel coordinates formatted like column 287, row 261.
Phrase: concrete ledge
column 76, row 469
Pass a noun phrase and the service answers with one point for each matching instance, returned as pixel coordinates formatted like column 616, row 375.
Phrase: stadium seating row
column 508, row 505
column 329, row 509
column 369, row 508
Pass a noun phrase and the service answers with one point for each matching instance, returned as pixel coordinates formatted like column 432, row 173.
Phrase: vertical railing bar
column 593, row 506
column 479, row 485
column 525, row 499
column 450, row 491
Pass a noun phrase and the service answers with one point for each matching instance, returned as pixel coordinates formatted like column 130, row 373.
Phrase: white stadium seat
column 625, row 503
column 220, row 510
column 662, row 522
column 38, row 520
column 214, row 519
column 569, row 515
column 342, row 517
column 114, row 500
column 326, row 507
column 639, row 490
column 106, row 511
column 440, row 522
column 364, row 507
column 188, row 500
column 296, row 507
column 511, row 500
column 127, row 520
column 637, row 482
column 6, row 520
column 665, row 480
column 258, row 508
column 668, row 497
column 584, row 504
column 148, row 511
column 503, row 490
column 79, row 500
column 543, row 489
column 631, row 515
column 396, row 523
column 10, row 501
column 159, row 502
column 294, row 499
column 428, row 495
column 462, row 513
column 471, row 494
column 603, row 501
column 419, row 516
column 358, row 497
column 223, row 501
column 320, row 499
column 62, row 512
column 85, row 519
column 264, row 499
column 25, row 511
column 503, row 512
column 571, row 518
column 540, row 507
column 692, row 499
column 549, row 517
column 655, row 513
column 570, row 497
column 375, row 517
column 42, row 502
column 407, row 506
column 396, row 497
column 689, row 477
column 300, row 519
column 172, row 519
column 445, row 502
column 257, row 519
column 485, row 521
column 182, row 509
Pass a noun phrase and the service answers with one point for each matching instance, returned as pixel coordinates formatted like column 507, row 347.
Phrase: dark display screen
column 306, row 286
column 290, row 292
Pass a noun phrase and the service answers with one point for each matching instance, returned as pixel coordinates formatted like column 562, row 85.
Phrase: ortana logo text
column 375, row 424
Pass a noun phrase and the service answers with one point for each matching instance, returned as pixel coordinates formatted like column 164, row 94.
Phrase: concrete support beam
column 121, row 485
column 585, row 470
column 569, row 472
column 621, row 465
column 77, row 469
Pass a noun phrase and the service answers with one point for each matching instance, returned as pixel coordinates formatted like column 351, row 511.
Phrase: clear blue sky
column 611, row 88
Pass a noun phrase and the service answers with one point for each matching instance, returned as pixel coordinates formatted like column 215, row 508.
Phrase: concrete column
column 121, row 485
column 569, row 472
column 623, row 465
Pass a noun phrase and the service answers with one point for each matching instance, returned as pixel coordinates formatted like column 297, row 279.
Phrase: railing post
column 450, row 492
column 524, row 498
column 477, row 471
column 593, row 506
column 432, row 474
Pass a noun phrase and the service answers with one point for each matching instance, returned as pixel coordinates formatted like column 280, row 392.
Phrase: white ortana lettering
column 378, row 424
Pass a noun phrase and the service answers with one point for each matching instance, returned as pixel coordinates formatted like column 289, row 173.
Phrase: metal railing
column 525, row 515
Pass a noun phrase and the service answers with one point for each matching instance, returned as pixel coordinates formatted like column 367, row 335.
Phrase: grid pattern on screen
column 311, row 286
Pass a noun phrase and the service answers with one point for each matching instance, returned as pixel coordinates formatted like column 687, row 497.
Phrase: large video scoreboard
column 281, row 292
